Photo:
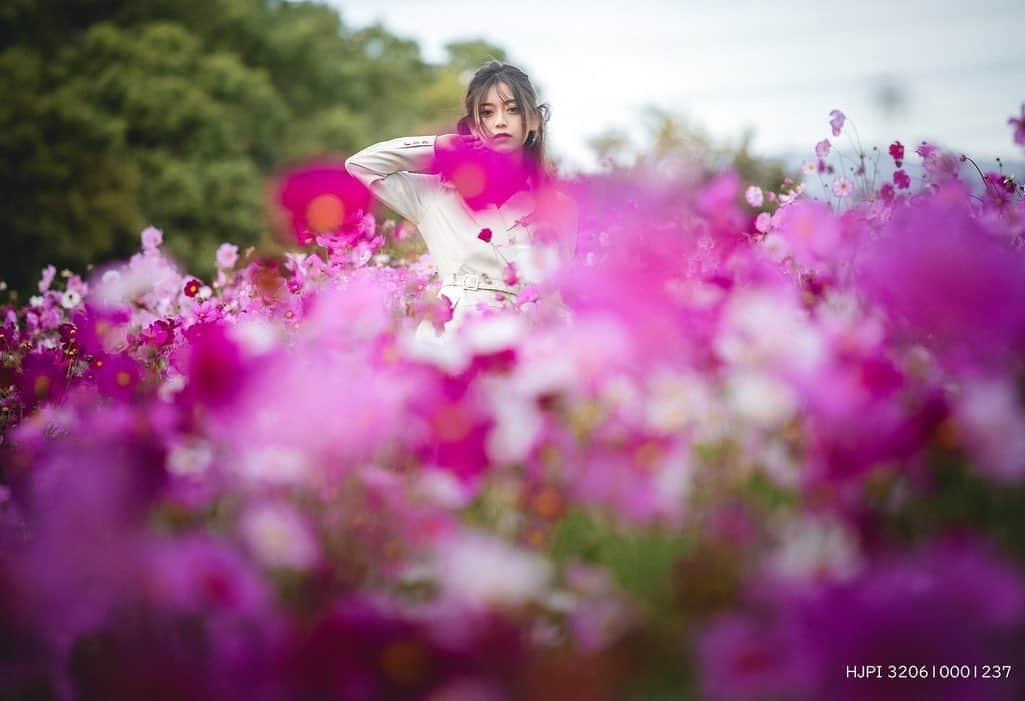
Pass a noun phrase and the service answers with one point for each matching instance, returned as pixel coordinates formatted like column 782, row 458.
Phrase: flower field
column 777, row 451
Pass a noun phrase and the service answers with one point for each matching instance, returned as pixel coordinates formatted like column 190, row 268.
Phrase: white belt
column 479, row 282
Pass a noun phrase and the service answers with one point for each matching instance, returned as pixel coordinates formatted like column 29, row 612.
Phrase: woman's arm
column 395, row 172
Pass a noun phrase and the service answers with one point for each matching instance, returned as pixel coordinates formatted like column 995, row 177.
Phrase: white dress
column 472, row 270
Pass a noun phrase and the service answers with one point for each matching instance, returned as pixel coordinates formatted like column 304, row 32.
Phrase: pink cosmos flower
column 511, row 275
column 925, row 150
column 227, row 255
column 810, row 230
column 754, row 196
column 901, row 179
column 763, row 222
column 886, row 192
column 897, row 153
column 1019, row 126
column 321, row 198
column 279, row 536
column 836, row 121
column 485, row 235
column 842, row 187
column 151, row 238
column 47, row 278
column 822, row 148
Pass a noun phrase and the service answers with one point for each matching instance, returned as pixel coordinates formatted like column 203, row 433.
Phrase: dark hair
column 493, row 73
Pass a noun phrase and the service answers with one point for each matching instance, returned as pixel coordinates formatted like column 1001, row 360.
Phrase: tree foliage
column 118, row 114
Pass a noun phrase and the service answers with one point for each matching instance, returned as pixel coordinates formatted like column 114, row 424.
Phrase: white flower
column 813, row 547
column 205, row 292
column 760, row 398
column 35, row 301
column 775, row 246
column 279, row 536
column 483, row 570
column 753, row 195
column 189, row 458
column 273, row 465
column 809, row 168
column 70, row 299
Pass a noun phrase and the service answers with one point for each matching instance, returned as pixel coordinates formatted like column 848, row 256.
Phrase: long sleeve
column 393, row 171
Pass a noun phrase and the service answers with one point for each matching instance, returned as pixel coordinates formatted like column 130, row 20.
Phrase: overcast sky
column 912, row 70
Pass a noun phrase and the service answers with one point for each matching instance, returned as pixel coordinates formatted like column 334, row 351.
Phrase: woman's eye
column 514, row 110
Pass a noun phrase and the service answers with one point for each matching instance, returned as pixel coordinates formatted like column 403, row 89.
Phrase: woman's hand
column 449, row 144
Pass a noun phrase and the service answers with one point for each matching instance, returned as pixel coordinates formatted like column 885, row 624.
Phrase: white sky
column 957, row 67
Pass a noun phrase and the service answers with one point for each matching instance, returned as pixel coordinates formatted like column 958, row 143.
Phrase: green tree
column 118, row 114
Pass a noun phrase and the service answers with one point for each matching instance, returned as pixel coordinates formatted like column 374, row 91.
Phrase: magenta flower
column 901, row 179
column 214, row 365
column 321, row 198
column 511, row 275
column 926, row 150
column 956, row 602
column 897, row 153
column 118, row 376
column 481, row 176
column 886, row 192
column 836, row 121
column 945, row 282
column 485, row 235
column 822, row 148
column 159, row 333
column 43, row 378
column 201, row 574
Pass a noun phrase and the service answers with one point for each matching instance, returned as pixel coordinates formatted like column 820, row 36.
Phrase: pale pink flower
column 836, row 121
column 279, row 537
column 763, row 221
column 842, row 187
column 151, row 238
column 753, row 195
column 47, row 278
column 227, row 255
column 822, row 148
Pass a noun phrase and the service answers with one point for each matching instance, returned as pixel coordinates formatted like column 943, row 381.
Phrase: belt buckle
column 471, row 282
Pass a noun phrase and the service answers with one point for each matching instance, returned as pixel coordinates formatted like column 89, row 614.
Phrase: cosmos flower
column 227, row 255
column 842, row 187
column 897, row 153
column 836, row 121
column 151, row 238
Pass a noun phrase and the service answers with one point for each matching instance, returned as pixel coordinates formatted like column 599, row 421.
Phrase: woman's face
column 503, row 125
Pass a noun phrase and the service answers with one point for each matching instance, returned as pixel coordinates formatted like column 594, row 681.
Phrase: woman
column 481, row 198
